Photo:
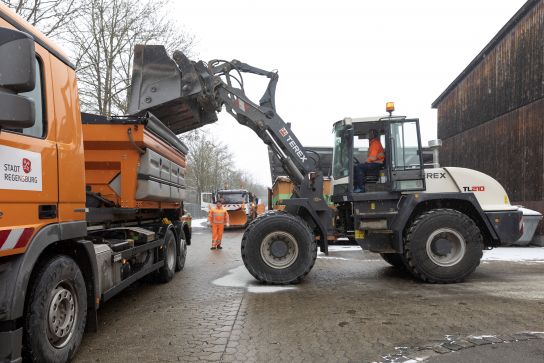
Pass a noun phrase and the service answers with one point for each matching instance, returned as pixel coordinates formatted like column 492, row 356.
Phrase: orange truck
column 241, row 205
column 88, row 204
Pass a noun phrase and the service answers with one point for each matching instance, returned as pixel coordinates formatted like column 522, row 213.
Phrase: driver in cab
column 374, row 162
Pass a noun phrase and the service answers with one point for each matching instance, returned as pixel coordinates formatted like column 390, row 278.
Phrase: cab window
column 38, row 130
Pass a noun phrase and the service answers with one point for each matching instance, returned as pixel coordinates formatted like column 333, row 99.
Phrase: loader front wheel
column 443, row 246
column 278, row 248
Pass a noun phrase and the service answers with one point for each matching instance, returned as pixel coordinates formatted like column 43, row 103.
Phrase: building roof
column 528, row 6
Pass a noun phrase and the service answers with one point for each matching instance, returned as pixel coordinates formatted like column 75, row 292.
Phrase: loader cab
column 402, row 170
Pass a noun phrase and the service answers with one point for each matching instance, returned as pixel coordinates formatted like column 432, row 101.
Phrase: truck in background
column 242, row 205
column 88, row 204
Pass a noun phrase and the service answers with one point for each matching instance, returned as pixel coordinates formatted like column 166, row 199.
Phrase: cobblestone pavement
column 351, row 307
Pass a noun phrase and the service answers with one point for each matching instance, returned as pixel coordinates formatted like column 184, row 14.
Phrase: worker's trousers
column 217, row 234
column 361, row 172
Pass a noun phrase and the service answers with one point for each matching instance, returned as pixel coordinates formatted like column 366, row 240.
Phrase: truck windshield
column 232, row 198
column 340, row 155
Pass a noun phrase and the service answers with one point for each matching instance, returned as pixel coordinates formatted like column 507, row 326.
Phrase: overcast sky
column 340, row 58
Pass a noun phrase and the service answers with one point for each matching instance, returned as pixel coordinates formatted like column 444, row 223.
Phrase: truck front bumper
column 508, row 225
column 10, row 345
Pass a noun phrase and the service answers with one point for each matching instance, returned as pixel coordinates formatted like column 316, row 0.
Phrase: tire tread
column 293, row 218
column 467, row 224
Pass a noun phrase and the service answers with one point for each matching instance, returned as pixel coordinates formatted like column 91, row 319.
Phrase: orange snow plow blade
column 237, row 218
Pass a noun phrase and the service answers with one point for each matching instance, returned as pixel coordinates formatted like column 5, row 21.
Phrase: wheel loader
column 433, row 222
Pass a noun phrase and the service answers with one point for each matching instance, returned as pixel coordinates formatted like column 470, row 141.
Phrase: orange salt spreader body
column 133, row 167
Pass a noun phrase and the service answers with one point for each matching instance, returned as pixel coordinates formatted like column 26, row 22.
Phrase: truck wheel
column 443, row 246
column 181, row 251
column 278, row 248
column 166, row 272
column 56, row 312
column 394, row 259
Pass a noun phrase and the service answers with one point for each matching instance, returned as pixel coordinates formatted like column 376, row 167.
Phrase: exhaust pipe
column 435, row 145
column 178, row 91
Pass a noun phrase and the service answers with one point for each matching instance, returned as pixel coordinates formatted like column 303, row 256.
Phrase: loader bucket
column 177, row 91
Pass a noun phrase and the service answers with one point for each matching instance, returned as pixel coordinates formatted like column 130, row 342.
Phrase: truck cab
column 402, row 169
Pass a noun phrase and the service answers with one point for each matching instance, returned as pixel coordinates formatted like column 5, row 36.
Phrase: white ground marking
column 240, row 277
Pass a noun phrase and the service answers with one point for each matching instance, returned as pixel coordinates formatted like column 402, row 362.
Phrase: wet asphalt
column 352, row 307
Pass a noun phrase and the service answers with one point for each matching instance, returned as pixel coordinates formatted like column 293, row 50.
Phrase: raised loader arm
column 196, row 91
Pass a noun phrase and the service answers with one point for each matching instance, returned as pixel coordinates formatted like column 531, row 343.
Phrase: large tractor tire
column 181, row 251
column 394, row 259
column 278, row 248
column 56, row 312
column 166, row 272
column 443, row 246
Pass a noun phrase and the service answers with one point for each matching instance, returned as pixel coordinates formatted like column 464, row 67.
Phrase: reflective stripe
column 15, row 238
column 12, row 239
column 218, row 216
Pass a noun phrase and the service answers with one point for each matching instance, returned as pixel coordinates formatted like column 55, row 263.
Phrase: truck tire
column 443, row 246
column 394, row 259
column 278, row 248
column 56, row 312
column 181, row 251
column 166, row 272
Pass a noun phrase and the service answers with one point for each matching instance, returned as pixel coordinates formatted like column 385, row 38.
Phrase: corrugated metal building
column 491, row 117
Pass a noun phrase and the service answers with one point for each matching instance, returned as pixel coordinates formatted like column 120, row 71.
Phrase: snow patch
column 201, row 222
column 322, row 255
column 344, row 248
column 515, row 254
column 240, row 277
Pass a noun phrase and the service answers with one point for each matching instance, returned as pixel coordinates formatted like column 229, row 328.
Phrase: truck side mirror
column 17, row 74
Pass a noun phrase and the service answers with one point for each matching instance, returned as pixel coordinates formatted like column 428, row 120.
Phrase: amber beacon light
column 390, row 107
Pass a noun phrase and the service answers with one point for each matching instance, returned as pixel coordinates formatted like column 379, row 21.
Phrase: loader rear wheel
column 278, row 248
column 56, row 312
column 166, row 272
column 443, row 246
column 394, row 259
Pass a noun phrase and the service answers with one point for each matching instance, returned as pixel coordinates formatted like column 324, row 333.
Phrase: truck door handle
column 47, row 211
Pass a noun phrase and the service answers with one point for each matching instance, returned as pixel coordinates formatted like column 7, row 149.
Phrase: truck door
column 28, row 168
column 404, row 158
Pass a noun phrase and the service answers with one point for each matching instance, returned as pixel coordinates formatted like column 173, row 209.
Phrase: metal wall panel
column 510, row 148
column 511, row 75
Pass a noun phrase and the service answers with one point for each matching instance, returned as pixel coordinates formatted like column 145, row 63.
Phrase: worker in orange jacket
column 374, row 162
column 218, row 218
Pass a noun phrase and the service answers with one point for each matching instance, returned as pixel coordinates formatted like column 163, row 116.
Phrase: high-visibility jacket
column 375, row 152
column 218, row 216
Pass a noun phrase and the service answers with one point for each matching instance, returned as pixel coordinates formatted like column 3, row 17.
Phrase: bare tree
column 210, row 166
column 103, row 39
column 51, row 17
